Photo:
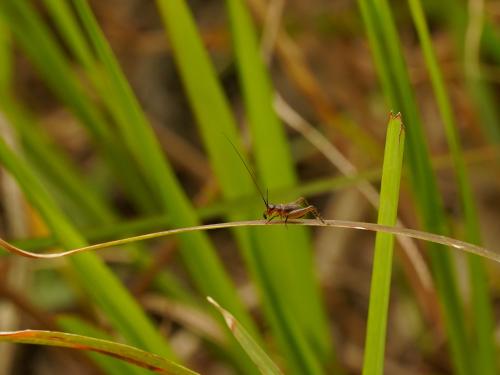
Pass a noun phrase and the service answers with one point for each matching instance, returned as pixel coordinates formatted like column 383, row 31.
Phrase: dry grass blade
column 372, row 227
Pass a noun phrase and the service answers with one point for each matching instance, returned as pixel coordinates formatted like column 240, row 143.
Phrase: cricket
column 285, row 211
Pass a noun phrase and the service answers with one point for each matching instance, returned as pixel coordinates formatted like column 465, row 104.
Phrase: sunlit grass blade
column 484, row 348
column 99, row 282
column 384, row 247
column 127, row 353
column 259, row 356
column 276, row 169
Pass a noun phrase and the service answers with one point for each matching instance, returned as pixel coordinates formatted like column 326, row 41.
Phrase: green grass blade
column 213, row 115
column 276, row 168
column 215, row 121
column 206, row 98
column 109, row 365
column 384, row 247
column 68, row 27
column 484, row 347
column 204, row 266
column 259, row 356
column 104, row 288
column 6, row 57
column 380, row 27
column 139, row 136
column 55, row 168
column 93, row 210
column 38, row 43
column 455, row 13
column 53, row 165
column 72, row 341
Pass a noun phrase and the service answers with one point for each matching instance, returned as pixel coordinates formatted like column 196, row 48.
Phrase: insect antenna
column 250, row 172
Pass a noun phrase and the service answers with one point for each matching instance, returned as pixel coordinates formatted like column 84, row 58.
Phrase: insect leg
column 271, row 217
column 296, row 214
column 300, row 202
column 316, row 214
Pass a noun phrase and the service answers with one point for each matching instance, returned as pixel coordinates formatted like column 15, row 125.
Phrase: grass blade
column 55, row 167
column 39, row 44
column 259, row 356
column 484, row 358
column 274, row 162
column 358, row 225
column 6, row 57
column 397, row 88
column 203, row 264
column 214, row 119
column 457, row 16
column 111, row 366
column 58, row 173
column 112, row 297
column 384, row 247
column 127, row 353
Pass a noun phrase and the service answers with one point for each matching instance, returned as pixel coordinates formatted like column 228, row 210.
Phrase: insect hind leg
column 316, row 214
column 301, row 202
column 301, row 212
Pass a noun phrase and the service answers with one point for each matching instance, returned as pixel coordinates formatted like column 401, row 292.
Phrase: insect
column 293, row 210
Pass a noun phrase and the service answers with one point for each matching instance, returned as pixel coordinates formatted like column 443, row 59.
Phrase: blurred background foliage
column 114, row 120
